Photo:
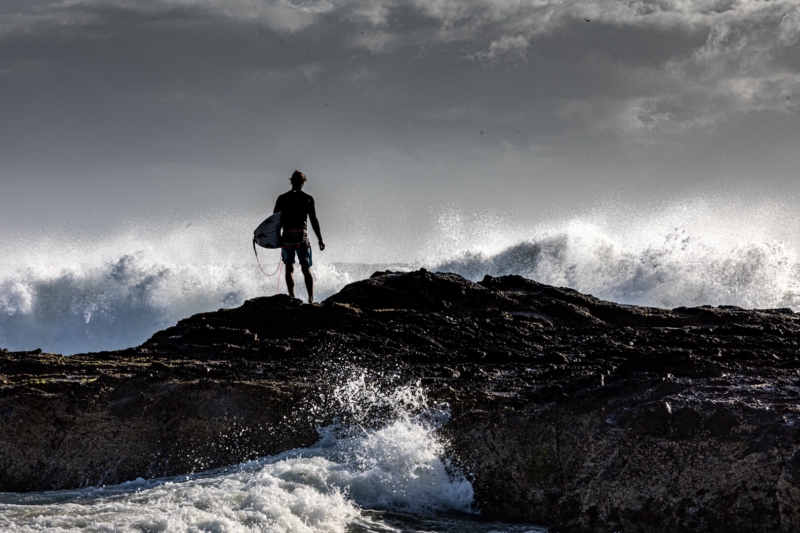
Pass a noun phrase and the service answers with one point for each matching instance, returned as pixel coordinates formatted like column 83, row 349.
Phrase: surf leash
column 277, row 270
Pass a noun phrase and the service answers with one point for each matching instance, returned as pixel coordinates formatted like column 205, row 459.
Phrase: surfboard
column 268, row 233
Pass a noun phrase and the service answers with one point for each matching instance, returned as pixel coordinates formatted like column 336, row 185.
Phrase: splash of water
column 71, row 294
column 680, row 270
column 696, row 253
column 89, row 294
column 395, row 462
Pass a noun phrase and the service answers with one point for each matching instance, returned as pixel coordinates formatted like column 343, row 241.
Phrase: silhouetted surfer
column 295, row 207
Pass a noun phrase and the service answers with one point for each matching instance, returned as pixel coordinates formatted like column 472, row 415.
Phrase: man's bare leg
column 309, row 282
column 290, row 280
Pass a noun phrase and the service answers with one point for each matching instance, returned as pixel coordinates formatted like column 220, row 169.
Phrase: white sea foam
column 680, row 270
column 77, row 294
column 683, row 254
column 69, row 294
column 395, row 463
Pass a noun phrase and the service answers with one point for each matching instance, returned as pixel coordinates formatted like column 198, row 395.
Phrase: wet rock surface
column 567, row 411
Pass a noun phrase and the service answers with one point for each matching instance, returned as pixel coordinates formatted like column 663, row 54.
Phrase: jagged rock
column 567, row 411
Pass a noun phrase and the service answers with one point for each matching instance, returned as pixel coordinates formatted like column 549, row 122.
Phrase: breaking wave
column 717, row 251
column 85, row 294
column 393, row 464
column 680, row 270
column 71, row 294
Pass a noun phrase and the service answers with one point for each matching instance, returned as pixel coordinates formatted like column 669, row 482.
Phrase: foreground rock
column 567, row 411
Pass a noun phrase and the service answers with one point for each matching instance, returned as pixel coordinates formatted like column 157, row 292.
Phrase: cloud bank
column 92, row 86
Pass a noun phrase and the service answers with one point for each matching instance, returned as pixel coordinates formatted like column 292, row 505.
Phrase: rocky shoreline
column 566, row 411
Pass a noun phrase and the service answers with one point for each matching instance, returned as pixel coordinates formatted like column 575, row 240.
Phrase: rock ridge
column 567, row 411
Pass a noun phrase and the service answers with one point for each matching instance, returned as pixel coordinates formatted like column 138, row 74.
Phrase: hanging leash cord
column 277, row 270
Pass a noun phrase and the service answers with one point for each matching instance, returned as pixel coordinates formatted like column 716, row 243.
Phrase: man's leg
column 287, row 256
column 290, row 280
column 309, row 282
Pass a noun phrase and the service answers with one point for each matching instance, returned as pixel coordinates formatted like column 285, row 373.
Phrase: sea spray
column 70, row 294
column 704, row 251
column 387, row 457
column 679, row 271
column 401, row 465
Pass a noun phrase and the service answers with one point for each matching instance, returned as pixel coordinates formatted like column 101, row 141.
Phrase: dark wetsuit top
column 296, row 207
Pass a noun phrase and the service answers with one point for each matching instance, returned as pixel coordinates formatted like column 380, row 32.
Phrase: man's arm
column 277, row 206
column 312, row 215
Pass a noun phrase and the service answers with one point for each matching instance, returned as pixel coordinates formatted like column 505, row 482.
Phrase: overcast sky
column 114, row 109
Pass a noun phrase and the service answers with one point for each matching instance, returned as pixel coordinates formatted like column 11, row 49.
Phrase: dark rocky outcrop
column 567, row 411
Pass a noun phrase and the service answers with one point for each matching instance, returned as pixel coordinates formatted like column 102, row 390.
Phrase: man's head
column 298, row 179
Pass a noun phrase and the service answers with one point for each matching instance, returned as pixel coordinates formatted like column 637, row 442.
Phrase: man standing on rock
column 295, row 207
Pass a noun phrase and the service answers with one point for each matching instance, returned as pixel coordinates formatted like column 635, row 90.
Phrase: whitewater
column 380, row 467
column 72, row 293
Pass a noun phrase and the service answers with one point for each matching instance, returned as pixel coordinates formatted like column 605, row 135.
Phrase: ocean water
column 380, row 468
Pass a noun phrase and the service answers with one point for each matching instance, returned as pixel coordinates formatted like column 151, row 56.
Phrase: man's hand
column 321, row 246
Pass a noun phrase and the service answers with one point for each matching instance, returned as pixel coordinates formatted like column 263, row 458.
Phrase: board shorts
column 303, row 255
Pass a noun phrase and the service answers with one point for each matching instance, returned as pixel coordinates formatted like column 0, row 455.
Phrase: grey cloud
column 505, row 47
column 103, row 83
